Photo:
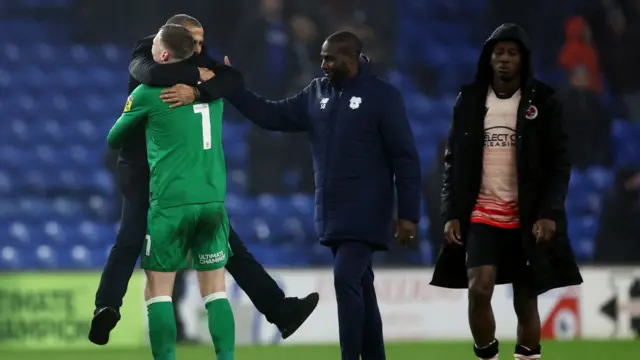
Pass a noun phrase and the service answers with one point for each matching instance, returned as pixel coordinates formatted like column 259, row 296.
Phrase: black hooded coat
column 543, row 171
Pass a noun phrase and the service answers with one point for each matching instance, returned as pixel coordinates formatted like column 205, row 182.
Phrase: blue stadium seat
column 287, row 230
column 422, row 107
column 402, row 82
column 626, row 147
column 600, row 178
column 274, row 205
column 17, row 131
column 583, row 197
column 294, row 255
column 239, row 206
column 91, row 233
column 583, row 247
column 320, row 255
column 236, row 181
column 68, row 78
column 426, row 252
column 234, row 131
column 78, row 256
column 8, row 258
column 87, row 132
column 6, row 185
column 267, row 255
column 423, row 227
column 10, row 52
column 261, row 229
column 19, row 233
column 582, row 232
column 114, row 54
column 68, row 208
column 236, row 153
column 303, row 204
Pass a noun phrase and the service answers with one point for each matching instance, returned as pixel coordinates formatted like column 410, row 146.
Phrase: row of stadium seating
column 57, row 199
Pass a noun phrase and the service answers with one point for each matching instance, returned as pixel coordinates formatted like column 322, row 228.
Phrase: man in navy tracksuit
column 360, row 139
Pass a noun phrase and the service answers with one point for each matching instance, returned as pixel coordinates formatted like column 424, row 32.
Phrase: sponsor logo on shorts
column 205, row 259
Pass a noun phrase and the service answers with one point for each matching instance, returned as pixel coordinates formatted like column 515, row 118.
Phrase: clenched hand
column 178, row 95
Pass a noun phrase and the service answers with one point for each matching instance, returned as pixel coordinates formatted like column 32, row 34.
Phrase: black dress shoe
column 298, row 311
column 104, row 320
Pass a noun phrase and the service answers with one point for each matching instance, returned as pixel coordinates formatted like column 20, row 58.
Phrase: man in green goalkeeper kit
column 187, row 191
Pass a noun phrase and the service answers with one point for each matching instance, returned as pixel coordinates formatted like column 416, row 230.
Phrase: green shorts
column 173, row 233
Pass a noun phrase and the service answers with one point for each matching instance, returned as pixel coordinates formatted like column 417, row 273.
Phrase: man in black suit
column 133, row 180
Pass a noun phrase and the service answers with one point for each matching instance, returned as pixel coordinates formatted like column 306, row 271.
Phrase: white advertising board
column 610, row 300
column 411, row 309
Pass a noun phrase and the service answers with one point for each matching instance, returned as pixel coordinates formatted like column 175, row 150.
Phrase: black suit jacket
column 144, row 70
column 133, row 169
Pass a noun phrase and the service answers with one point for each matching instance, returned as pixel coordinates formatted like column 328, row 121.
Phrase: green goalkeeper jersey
column 184, row 147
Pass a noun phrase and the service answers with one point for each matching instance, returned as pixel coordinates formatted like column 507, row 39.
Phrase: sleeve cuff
column 550, row 214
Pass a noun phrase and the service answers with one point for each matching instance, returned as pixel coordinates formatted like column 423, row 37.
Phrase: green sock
column 221, row 325
column 162, row 328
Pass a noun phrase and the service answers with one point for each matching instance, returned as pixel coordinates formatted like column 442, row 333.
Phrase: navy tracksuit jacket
column 360, row 138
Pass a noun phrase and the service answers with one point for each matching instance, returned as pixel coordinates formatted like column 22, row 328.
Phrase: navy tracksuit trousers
column 358, row 312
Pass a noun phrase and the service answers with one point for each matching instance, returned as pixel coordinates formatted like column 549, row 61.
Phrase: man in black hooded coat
column 505, row 181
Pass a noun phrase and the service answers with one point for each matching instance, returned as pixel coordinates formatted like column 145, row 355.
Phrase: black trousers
column 359, row 317
column 251, row 277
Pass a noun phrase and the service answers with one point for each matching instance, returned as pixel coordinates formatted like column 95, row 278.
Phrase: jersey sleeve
column 135, row 110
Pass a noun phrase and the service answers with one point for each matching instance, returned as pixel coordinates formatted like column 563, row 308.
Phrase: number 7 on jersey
column 203, row 110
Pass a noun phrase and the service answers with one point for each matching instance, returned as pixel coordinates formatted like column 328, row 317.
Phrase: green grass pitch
column 556, row 350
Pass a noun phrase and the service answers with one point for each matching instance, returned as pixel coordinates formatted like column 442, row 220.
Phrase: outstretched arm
column 288, row 115
column 226, row 81
column 145, row 70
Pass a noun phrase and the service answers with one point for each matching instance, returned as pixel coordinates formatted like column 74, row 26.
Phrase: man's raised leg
column 288, row 314
column 162, row 326
column 221, row 322
column 118, row 269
